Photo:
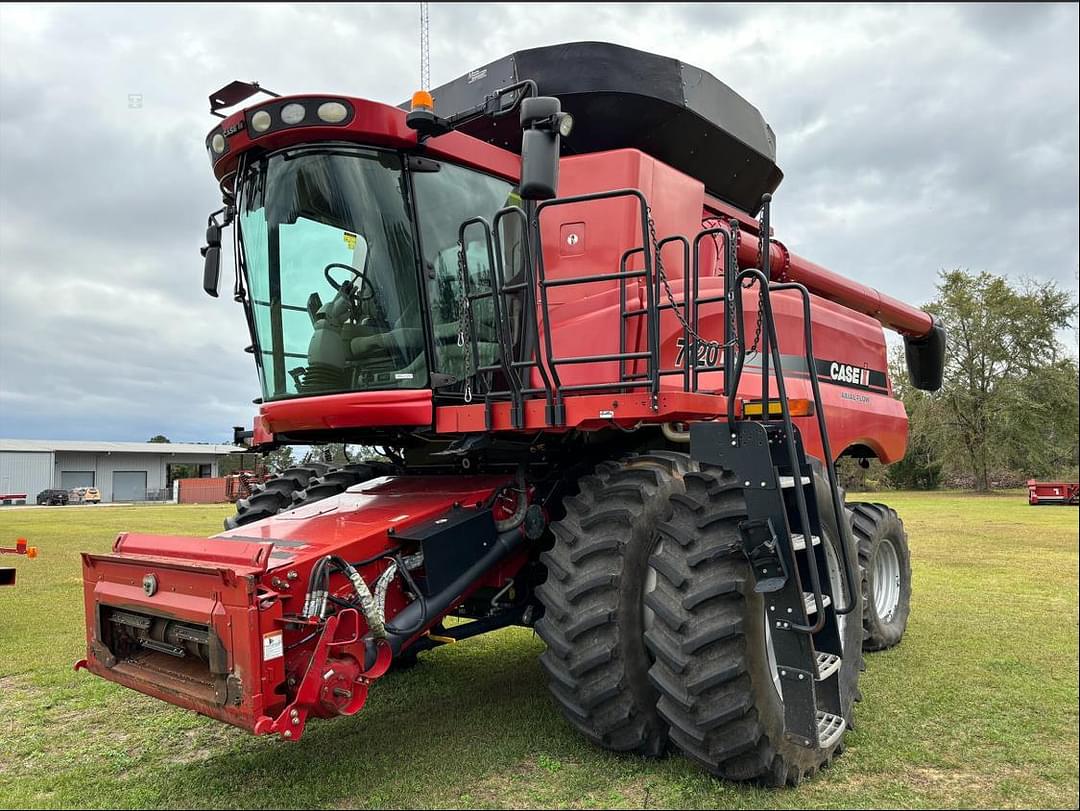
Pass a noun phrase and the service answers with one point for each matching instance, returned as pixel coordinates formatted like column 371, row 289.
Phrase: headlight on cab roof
column 293, row 113
column 333, row 112
column 261, row 121
column 273, row 117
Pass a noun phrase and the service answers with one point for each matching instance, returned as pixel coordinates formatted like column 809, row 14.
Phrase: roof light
column 333, row 112
column 217, row 143
column 565, row 124
column 293, row 113
column 422, row 100
column 260, row 122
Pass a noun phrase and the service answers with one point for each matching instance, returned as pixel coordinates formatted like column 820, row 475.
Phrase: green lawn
column 977, row 707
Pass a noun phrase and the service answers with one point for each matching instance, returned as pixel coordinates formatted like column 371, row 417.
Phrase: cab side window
column 444, row 200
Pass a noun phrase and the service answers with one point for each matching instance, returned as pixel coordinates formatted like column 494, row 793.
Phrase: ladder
column 788, row 514
column 789, row 509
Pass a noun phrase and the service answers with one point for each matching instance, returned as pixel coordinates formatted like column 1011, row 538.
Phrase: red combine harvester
column 1053, row 493
column 608, row 403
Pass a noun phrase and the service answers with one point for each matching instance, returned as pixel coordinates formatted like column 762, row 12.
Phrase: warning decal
column 273, row 646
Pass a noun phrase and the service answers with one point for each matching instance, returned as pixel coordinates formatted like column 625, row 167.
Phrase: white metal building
column 122, row 471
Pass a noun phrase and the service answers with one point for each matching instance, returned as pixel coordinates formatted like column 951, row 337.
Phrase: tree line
column 1008, row 408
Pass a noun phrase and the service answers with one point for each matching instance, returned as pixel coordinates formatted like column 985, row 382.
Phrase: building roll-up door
column 129, row 485
column 70, row 479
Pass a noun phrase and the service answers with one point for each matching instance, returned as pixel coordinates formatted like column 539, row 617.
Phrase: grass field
column 977, row 707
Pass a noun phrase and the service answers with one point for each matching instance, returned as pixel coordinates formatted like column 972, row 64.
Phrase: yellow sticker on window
column 350, row 241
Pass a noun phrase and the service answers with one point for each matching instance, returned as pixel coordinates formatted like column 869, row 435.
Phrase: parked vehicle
column 85, row 495
column 54, row 497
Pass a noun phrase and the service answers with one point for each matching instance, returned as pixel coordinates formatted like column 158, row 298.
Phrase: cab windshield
column 328, row 251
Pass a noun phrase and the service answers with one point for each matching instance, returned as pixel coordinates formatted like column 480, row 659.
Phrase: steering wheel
column 365, row 291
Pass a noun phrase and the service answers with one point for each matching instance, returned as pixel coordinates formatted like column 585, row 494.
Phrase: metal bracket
column 291, row 721
column 800, row 706
column 762, row 549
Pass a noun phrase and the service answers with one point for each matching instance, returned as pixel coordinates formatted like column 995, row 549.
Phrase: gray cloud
column 912, row 138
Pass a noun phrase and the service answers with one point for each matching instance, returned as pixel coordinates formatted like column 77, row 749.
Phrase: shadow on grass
column 456, row 719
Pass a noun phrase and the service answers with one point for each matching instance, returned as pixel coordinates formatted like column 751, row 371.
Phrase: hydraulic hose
column 369, row 607
column 317, row 598
column 419, row 613
column 515, row 520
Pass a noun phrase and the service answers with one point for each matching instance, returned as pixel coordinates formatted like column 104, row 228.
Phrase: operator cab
column 349, row 257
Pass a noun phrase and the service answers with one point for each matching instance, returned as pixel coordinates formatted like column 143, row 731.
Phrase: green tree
column 158, row 438
column 1010, row 391
column 339, row 454
column 280, row 459
column 921, row 467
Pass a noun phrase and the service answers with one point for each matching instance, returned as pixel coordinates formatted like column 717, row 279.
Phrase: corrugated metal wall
column 22, row 472
column 104, row 465
column 32, row 472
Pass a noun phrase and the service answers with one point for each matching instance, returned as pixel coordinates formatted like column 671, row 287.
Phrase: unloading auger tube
column 924, row 338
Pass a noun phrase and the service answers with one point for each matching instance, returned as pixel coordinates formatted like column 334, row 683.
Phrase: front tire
column 596, row 660
column 885, row 565
column 708, row 637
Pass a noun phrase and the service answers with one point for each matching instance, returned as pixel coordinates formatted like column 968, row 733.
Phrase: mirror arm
column 212, row 251
column 428, row 125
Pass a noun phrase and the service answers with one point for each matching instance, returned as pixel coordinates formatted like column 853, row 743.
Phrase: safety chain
column 464, row 339
column 695, row 337
column 754, row 347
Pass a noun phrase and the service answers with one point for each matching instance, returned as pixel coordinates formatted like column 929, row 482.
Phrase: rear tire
column 885, row 565
column 337, row 481
column 596, row 660
column 708, row 636
column 274, row 495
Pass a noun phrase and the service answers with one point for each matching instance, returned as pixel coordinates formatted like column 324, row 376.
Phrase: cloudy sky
column 913, row 138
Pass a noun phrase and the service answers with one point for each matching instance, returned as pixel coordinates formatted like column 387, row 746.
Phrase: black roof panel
column 621, row 97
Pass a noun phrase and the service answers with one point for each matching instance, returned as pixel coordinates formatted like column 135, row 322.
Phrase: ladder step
column 808, row 601
column 789, row 481
column 829, row 729
column 798, row 541
column 827, row 664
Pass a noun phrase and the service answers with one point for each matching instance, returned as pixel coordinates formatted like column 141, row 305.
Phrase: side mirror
column 211, row 279
column 543, row 123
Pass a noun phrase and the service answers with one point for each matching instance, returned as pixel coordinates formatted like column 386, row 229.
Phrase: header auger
column 608, row 402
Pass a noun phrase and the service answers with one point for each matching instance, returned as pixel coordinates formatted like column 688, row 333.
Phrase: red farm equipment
column 7, row 573
column 608, row 404
column 1053, row 493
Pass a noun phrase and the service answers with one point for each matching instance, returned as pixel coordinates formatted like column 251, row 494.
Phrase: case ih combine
column 609, row 404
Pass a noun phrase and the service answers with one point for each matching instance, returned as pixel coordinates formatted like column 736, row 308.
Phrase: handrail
column 652, row 325
column 789, row 434
column 830, row 467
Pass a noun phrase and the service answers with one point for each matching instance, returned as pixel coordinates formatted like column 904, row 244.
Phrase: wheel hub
column 885, row 580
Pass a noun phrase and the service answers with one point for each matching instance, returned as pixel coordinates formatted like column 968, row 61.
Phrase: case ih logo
column 843, row 373
column 855, row 377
